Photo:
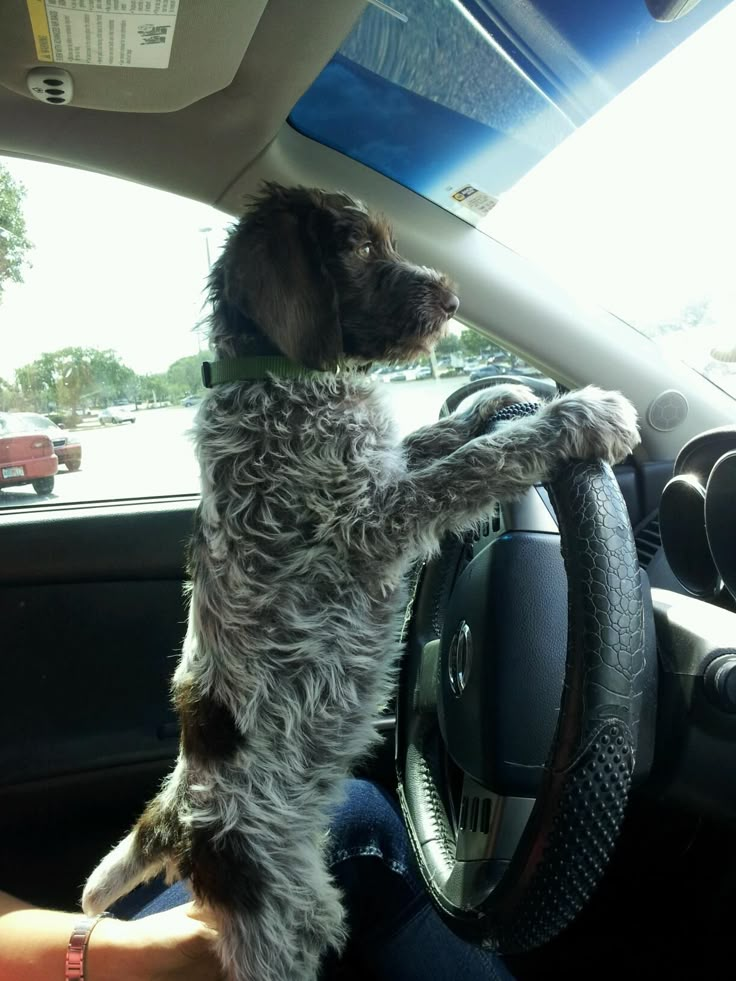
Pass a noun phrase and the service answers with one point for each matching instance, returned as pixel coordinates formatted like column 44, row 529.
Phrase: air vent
column 475, row 814
column 648, row 540
column 483, row 529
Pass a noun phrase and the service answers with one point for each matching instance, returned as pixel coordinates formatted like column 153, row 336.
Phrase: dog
column 312, row 511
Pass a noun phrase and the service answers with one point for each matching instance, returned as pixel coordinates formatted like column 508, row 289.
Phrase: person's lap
column 395, row 933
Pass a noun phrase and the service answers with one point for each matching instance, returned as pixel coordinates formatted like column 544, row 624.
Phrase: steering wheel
column 519, row 710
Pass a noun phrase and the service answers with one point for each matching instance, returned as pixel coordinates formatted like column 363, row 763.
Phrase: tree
column 111, row 379
column 182, row 378
column 154, row 388
column 185, row 376
column 66, row 378
column 8, row 396
column 448, row 345
column 475, row 343
column 14, row 246
column 58, row 378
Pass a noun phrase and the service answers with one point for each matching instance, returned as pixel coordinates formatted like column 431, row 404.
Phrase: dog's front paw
column 599, row 425
column 494, row 399
column 94, row 899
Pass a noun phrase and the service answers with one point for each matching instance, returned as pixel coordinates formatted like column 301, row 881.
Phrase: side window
column 101, row 317
column 418, row 390
column 101, row 339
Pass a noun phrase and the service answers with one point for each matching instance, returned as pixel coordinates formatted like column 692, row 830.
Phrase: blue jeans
column 395, row 932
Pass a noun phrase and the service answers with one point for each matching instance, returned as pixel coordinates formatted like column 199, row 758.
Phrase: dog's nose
column 449, row 304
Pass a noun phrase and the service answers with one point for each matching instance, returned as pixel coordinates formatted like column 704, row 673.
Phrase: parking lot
column 154, row 456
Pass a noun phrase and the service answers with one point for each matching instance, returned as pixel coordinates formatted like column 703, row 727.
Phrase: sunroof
column 457, row 101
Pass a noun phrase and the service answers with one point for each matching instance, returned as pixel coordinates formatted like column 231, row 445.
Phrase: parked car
column 191, row 400
column 116, row 414
column 526, row 371
column 26, row 455
column 488, row 371
column 403, row 373
column 67, row 447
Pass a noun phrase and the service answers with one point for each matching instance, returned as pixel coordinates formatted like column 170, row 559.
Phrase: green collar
column 252, row 369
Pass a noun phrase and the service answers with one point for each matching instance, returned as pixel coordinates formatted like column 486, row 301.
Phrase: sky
column 115, row 265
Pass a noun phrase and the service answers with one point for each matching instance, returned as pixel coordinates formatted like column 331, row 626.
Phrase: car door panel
column 92, row 618
column 110, row 541
column 86, row 673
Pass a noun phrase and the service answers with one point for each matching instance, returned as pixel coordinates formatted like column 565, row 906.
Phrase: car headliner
column 196, row 127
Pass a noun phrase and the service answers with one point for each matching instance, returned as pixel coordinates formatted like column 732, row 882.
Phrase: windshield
column 637, row 209
column 106, row 337
column 588, row 137
column 455, row 96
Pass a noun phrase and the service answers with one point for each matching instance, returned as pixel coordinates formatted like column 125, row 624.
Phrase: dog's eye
column 364, row 250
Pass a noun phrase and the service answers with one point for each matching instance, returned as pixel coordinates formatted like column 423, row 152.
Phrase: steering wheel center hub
column 460, row 659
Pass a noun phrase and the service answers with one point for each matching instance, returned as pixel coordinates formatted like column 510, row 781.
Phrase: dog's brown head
column 314, row 276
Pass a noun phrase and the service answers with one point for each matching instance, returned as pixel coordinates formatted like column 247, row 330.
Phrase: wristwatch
column 77, row 949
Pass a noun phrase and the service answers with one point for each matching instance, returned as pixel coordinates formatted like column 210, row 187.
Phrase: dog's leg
column 449, row 494
column 118, row 873
column 274, row 944
column 440, row 439
column 277, row 909
column 148, row 848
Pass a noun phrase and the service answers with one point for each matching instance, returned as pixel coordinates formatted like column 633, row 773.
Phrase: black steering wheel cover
column 580, row 807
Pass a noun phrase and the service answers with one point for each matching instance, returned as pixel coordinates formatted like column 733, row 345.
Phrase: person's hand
column 176, row 944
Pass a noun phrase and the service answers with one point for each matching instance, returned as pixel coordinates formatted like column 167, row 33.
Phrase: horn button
column 502, row 662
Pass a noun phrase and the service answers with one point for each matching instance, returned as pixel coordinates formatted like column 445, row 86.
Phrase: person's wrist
column 114, row 952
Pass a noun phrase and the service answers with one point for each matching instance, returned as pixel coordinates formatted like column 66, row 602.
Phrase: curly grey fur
column 312, row 511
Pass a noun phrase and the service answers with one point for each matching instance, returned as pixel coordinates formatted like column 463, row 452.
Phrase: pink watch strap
column 77, row 949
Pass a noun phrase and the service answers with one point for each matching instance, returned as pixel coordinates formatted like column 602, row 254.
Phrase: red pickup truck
column 26, row 456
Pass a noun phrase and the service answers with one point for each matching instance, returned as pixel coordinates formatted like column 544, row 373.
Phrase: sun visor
column 124, row 55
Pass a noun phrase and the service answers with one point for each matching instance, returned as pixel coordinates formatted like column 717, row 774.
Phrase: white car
column 408, row 373
column 115, row 415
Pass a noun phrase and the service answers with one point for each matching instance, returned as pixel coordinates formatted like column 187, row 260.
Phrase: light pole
column 205, row 232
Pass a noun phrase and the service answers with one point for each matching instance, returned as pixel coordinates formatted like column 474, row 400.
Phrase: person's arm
column 176, row 944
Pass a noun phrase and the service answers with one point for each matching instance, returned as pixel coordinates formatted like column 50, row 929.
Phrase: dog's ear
column 275, row 272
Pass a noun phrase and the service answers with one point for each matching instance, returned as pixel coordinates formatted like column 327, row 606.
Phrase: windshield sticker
column 135, row 34
column 471, row 199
